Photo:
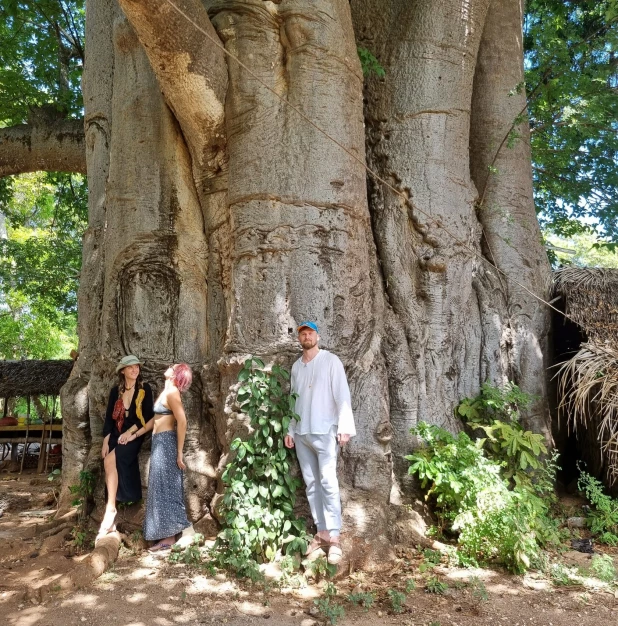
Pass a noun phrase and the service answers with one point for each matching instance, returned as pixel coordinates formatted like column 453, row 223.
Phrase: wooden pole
column 23, row 456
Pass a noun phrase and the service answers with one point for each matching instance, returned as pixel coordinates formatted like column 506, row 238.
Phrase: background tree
column 43, row 214
column 572, row 79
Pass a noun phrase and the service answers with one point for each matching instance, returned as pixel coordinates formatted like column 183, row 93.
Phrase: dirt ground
column 141, row 589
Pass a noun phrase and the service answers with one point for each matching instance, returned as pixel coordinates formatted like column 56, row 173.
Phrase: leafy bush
column 435, row 585
column 495, row 518
column 496, row 412
column 603, row 517
column 362, row 598
column 328, row 607
column 257, row 507
column 369, row 63
column 561, row 575
column 191, row 555
column 478, row 589
column 397, row 599
column 82, row 492
column 603, row 567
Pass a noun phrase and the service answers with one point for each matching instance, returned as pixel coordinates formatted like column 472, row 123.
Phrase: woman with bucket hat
column 130, row 407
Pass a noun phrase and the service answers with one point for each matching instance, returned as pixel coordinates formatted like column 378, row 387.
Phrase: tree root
column 99, row 561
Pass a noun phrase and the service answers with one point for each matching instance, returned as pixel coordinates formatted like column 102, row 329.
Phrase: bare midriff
column 163, row 423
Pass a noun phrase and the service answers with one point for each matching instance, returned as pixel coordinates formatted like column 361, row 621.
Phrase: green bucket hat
column 130, row 359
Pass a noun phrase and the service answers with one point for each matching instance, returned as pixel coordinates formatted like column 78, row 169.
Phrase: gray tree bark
column 501, row 168
column 54, row 145
column 418, row 119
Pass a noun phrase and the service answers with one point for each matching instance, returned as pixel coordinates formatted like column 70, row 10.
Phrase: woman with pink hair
column 166, row 515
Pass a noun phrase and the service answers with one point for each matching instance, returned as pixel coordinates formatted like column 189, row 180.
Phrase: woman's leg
column 111, row 482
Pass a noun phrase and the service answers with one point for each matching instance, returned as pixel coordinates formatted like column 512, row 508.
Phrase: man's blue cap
column 311, row 325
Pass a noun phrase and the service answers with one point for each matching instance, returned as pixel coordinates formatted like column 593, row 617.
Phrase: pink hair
column 183, row 376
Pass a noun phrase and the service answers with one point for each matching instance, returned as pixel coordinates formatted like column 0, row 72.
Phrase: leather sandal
column 335, row 553
column 317, row 543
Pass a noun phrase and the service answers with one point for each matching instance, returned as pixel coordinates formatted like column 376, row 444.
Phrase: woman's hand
column 105, row 448
column 181, row 463
column 127, row 436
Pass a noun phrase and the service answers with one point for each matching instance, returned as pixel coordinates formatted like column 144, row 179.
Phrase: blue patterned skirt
column 166, row 515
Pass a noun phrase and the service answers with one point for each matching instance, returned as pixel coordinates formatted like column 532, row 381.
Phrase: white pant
column 317, row 455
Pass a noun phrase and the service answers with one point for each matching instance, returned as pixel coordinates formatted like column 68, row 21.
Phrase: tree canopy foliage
column 42, row 55
column 572, row 82
column 43, row 214
column 40, row 257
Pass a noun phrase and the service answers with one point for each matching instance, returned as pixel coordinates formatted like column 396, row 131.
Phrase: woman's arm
column 175, row 405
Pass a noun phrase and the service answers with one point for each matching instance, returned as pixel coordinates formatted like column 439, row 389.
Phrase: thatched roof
column 32, row 378
column 590, row 299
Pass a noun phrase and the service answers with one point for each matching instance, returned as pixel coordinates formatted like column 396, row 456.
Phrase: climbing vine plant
column 260, row 490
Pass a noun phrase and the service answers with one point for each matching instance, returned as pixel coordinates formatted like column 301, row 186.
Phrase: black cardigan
column 147, row 412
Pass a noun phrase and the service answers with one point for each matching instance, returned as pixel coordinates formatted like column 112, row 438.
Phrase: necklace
column 129, row 388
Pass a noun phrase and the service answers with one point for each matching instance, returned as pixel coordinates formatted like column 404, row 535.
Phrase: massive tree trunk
column 219, row 218
column 417, row 119
column 501, row 169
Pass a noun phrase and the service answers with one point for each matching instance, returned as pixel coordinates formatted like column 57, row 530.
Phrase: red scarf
column 118, row 414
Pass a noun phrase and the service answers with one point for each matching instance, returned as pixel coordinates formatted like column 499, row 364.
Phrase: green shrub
column 397, row 599
column 362, row 598
column 496, row 412
column 328, row 607
column 494, row 518
column 478, row 589
column 260, row 491
column 603, row 567
column 369, row 63
column 82, row 492
column 435, row 585
column 603, row 517
column 561, row 575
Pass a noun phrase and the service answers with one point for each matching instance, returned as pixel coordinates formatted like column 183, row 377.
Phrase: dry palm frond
column 590, row 299
column 588, row 386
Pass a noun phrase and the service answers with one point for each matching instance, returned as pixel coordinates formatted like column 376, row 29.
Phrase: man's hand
column 343, row 439
column 288, row 440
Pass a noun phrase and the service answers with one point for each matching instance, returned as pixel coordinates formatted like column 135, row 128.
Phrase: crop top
column 161, row 409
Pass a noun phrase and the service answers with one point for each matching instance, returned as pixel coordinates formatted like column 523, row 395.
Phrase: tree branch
column 191, row 70
column 54, row 146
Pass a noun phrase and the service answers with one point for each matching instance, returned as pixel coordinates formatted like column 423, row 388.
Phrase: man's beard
column 308, row 344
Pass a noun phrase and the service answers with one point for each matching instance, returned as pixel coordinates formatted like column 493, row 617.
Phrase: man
column 325, row 412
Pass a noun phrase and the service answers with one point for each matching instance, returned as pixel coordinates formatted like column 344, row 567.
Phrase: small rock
column 380, row 613
column 576, row 522
column 314, row 611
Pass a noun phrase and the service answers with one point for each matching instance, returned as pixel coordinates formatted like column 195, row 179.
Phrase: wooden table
column 44, row 434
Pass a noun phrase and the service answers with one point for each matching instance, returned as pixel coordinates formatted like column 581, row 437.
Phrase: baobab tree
column 225, row 145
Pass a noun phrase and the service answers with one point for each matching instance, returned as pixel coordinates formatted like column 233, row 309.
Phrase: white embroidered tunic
column 323, row 396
